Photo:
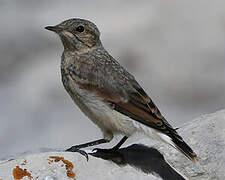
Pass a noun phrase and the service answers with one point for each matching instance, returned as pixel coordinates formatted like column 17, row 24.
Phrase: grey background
column 174, row 48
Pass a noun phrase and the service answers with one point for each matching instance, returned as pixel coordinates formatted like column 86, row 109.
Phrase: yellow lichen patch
column 69, row 165
column 19, row 173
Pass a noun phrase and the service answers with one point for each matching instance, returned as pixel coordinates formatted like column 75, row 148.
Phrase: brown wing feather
column 141, row 108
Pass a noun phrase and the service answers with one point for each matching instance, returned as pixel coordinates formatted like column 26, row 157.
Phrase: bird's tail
column 185, row 149
column 180, row 145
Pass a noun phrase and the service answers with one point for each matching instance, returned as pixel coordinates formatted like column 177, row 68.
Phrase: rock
column 206, row 135
column 54, row 166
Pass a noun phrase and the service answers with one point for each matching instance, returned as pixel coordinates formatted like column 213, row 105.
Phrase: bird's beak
column 55, row 29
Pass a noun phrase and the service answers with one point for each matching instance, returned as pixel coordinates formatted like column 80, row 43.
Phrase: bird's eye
column 80, row 29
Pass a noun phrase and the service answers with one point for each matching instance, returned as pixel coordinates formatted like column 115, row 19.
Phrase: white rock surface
column 205, row 134
column 41, row 168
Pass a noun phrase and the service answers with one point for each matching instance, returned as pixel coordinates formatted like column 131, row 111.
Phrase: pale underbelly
column 107, row 119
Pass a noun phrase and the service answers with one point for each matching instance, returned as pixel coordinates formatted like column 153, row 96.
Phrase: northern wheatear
column 106, row 93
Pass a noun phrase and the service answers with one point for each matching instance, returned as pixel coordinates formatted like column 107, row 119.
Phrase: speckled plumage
column 108, row 94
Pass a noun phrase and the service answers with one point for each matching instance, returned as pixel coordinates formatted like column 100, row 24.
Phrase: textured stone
column 206, row 135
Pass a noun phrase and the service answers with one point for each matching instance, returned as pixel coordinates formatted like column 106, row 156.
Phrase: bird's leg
column 120, row 143
column 92, row 143
column 115, row 148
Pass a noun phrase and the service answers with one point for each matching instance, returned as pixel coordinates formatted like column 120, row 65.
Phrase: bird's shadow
column 146, row 159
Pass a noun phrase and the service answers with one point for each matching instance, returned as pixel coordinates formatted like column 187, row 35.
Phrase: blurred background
column 174, row 48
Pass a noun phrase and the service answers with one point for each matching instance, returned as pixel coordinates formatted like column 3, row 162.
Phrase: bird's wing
column 140, row 107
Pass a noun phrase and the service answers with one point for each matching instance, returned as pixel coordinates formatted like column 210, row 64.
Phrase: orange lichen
column 69, row 165
column 19, row 173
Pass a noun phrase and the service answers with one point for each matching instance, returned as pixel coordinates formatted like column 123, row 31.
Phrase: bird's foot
column 108, row 154
column 77, row 149
column 104, row 153
column 98, row 150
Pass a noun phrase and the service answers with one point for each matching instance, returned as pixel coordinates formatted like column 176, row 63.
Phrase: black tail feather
column 185, row 149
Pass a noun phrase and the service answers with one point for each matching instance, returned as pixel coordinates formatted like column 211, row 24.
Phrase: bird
column 106, row 92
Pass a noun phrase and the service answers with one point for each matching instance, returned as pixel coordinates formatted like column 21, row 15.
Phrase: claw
column 75, row 149
column 83, row 153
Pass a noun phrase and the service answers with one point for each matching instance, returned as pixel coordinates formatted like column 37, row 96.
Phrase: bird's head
column 77, row 34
